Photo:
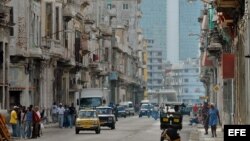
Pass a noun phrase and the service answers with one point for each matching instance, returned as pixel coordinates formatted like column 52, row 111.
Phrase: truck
column 92, row 98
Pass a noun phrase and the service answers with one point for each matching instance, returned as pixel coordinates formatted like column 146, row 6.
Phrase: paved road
column 127, row 129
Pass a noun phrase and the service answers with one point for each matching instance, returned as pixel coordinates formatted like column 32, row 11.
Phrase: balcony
column 85, row 44
column 4, row 16
column 139, row 14
column 221, row 4
column 68, row 12
column 215, row 45
column 139, row 30
column 106, row 30
column 112, row 12
column 93, row 64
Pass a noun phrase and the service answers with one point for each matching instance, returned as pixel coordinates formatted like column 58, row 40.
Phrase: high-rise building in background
column 189, row 28
column 154, row 25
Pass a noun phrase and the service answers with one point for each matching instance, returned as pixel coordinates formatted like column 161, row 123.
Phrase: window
column 185, row 80
column 186, row 70
column 197, row 70
column 186, row 90
column 159, row 67
column 106, row 55
column 159, row 53
column 125, row 6
column 159, row 60
column 57, row 23
column 11, row 21
column 159, row 81
column 48, row 26
column 109, row 6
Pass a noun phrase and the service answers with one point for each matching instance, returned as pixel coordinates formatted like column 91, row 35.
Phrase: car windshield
column 145, row 106
column 130, row 105
column 104, row 110
column 91, row 102
column 121, row 108
column 87, row 114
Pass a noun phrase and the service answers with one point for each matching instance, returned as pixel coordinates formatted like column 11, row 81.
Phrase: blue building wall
column 153, row 23
column 188, row 23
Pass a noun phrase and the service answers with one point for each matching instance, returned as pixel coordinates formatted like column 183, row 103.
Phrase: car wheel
column 125, row 116
column 98, row 131
column 112, row 127
column 139, row 116
column 77, row 131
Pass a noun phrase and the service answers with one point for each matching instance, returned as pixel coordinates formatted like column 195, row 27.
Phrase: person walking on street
column 205, row 116
column 214, row 118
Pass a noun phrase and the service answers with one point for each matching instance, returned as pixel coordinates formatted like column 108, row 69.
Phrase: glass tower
column 153, row 23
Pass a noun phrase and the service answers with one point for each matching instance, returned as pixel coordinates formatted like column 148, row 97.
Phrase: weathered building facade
column 59, row 47
column 224, row 58
column 5, row 26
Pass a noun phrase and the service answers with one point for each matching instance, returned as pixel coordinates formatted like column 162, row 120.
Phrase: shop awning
column 227, row 66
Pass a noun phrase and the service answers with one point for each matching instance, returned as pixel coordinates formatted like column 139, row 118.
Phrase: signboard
column 216, row 88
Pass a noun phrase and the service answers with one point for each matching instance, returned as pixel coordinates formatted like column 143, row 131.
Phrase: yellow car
column 87, row 120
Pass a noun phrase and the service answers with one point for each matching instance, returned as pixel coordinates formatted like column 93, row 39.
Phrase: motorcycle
column 170, row 134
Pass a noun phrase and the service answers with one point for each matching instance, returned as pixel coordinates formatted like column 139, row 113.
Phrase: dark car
column 121, row 111
column 106, row 116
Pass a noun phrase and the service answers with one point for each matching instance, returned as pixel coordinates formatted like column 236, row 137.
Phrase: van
column 129, row 106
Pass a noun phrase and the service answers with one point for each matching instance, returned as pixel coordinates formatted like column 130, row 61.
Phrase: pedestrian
column 60, row 111
column 29, row 120
column 13, row 121
column 23, row 122
column 214, row 118
column 36, row 121
column 195, row 109
column 116, row 112
column 66, row 116
column 54, row 112
column 72, row 114
column 205, row 117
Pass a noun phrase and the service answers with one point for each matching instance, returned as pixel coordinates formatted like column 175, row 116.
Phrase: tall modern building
column 189, row 28
column 154, row 25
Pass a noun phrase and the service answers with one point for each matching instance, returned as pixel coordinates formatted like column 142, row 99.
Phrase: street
column 127, row 129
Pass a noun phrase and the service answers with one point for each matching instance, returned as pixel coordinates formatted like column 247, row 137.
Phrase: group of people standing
column 64, row 115
column 25, row 122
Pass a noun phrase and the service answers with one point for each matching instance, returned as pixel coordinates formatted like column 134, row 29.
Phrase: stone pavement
column 198, row 134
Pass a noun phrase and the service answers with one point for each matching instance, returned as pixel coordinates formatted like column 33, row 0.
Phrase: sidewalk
column 198, row 134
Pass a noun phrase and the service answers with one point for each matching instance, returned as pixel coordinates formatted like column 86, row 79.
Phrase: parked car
column 122, row 111
column 106, row 116
column 87, row 119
